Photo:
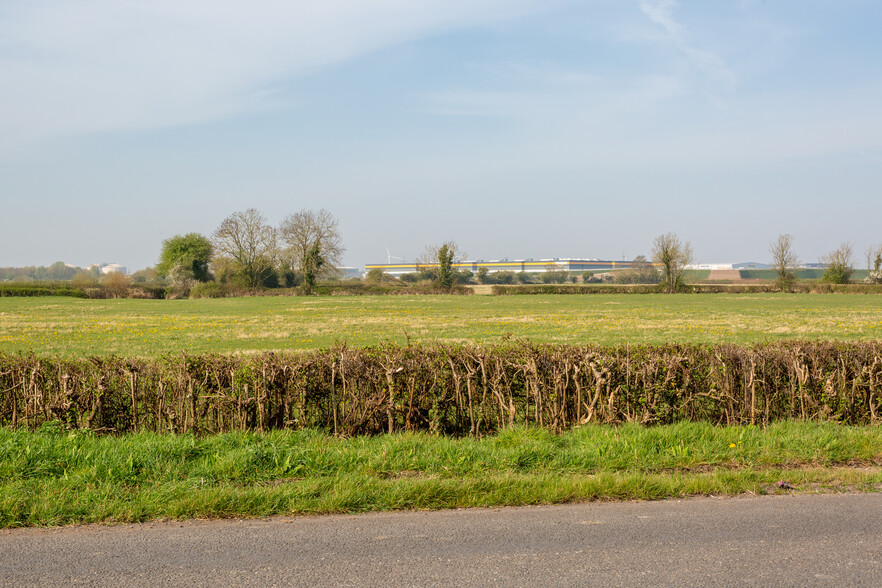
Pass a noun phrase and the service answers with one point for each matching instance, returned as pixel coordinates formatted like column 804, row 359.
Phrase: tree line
column 246, row 251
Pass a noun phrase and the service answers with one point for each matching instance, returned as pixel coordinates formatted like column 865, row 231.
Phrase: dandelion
column 732, row 445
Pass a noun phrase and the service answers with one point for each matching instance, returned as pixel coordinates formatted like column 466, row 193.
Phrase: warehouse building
column 514, row 265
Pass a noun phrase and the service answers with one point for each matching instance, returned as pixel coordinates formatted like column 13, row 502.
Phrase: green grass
column 72, row 327
column 52, row 477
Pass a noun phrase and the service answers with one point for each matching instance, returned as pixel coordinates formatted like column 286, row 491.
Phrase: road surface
column 799, row 540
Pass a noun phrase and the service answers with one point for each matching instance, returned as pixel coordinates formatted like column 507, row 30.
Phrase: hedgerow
column 456, row 390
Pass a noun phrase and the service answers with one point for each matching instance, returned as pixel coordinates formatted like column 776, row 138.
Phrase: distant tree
column 673, row 256
column 463, row 276
column 84, row 279
column 303, row 231
column 553, row 276
column 640, row 272
column 410, row 278
column 312, row 266
column 839, row 264
column 589, row 278
column 245, row 247
column 437, row 262
column 482, row 274
column 875, row 275
column 375, row 276
column 116, row 283
column 61, row 271
column 445, row 266
column 188, row 255
column 523, row 278
column 784, row 261
column 644, row 272
column 144, row 276
column 874, row 264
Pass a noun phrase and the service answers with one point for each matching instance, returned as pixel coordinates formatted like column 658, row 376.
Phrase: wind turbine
column 389, row 257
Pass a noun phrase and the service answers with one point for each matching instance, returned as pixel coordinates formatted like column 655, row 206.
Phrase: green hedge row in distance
column 814, row 288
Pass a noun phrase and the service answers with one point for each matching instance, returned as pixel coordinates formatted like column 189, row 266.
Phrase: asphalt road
column 801, row 540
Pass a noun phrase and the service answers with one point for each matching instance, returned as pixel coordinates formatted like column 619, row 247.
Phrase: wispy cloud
column 661, row 12
column 549, row 94
column 98, row 65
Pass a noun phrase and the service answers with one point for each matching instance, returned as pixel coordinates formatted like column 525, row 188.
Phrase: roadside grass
column 55, row 477
column 148, row 328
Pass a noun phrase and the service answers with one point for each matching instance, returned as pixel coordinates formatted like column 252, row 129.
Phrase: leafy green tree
column 553, row 276
column 410, row 278
column 436, row 263
column 186, row 256
column 312, row 266
column 61, row 271
column 144, row 276
column 839, row 265
column 445, row 266
column 375, row 276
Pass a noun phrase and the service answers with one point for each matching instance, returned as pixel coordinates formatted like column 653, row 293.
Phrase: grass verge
column 52, row 477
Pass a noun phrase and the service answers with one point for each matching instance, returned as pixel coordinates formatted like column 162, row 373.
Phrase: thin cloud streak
column 661, row 12
column 104, row 65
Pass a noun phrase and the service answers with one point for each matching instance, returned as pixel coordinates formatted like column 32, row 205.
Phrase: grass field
column 73, row 327
column 53, row 477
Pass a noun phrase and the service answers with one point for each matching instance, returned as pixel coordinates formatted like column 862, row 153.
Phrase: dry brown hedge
column 457, row 390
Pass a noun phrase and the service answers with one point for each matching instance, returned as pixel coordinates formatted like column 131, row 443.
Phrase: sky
column 516, row 128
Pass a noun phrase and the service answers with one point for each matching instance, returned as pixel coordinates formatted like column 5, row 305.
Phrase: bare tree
column 246, row 244
column 310, row 236
column 874, row 257
column 784, row 260
column 673, row 256
column 839, row 264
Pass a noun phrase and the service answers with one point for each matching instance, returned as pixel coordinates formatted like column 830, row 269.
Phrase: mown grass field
column 53, row 477
column 74, row 327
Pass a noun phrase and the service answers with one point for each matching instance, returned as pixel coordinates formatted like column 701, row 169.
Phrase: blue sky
column 517, row 128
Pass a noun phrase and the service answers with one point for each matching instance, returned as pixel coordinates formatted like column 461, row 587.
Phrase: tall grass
column 53, row 476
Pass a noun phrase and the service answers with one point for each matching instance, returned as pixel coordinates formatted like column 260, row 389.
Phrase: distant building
column 710, row 266
column 109, row 268
column 514, row 265
column 751, row 265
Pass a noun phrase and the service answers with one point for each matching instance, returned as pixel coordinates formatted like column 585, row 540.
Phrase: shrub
column 208, row 290
column 839, row 265
column 553, row 277
column 411, row 278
